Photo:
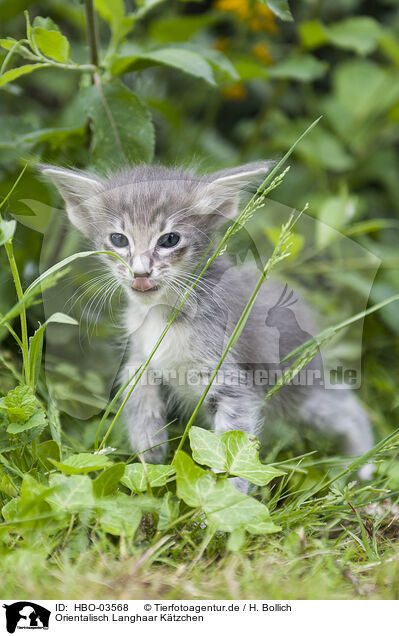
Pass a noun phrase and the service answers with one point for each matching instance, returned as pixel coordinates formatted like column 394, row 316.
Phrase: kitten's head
column 157, row 219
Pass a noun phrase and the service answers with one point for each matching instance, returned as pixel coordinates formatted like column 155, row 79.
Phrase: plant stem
column 24, row 327
column 92, row 34
column 279, row 253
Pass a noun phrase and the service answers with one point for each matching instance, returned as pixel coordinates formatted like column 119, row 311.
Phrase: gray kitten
column 161, row 222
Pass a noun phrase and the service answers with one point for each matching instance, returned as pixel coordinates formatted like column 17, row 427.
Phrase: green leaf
column 144, row 6
column 280, row 8
column 74, row 493
column 45, row 23
column 181, row 28
column 334, row 214
column 322, row 147
column 82, row 463
column 10, row 76
column 7, row 230
column 365, row 89
column 227, row 509
column 123, row 132
column 136, row 476
column 208, row 448
column 32, row 500
column 302, row 68
column 169, row 511
column 120, row 515
column 236, row 540
column 313, row 34
column 194, row 484
column 48, row 449
column 37, row 419
column 242, row 458
column 359, row 33
column 10, row 43
column 52, row 44
column 113, row 11
column 10, row 509
column 108, row 480
column 6, row 483
column 20, row 403
column 233, row 452
column 182, row 59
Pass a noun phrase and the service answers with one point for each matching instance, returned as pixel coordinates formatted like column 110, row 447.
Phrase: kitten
column 161, row 222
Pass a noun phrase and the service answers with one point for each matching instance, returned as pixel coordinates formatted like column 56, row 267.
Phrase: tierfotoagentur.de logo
column 26, row 615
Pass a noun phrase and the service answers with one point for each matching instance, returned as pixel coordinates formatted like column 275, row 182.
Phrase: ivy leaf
column 208, row 448
column 52, row 44
column 74, row 493
column 194, row 484
column 81, row 463
column 226, row 508
column 168, row 511
column 108, row 480
column 120, row 515
column 280, row 8
column 121, row 124
column 242, row 458
column 233, row 452
column 135, row 477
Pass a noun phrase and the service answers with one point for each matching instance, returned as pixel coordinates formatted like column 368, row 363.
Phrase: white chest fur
column 146, row 324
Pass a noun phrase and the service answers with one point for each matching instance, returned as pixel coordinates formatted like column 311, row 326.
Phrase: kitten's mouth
column 143, row 284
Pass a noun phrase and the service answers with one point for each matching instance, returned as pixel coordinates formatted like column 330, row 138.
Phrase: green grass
column 303, row 562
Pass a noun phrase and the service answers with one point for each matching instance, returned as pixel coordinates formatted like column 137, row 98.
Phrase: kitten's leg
column 145, row 416
column 241, row 412
column 338, row 414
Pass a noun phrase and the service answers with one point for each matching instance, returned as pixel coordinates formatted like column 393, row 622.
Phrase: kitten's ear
column 226, row 186
column 78, row 189
column 242, row 176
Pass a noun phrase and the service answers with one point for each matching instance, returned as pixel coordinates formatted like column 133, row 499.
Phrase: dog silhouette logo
column 26, row 615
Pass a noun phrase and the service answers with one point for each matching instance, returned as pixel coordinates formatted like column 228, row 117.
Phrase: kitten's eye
column 168, row 240
column 119, row 240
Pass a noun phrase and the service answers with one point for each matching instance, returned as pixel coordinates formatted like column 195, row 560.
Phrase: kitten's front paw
column 155, row 455
column 150, row 441
column 241, row 484
column 367, row 472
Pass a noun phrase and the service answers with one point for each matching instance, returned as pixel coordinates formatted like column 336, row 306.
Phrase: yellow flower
column 235, row 91
column 257, row 15
column 261, row 51
column 240, row 7
column 221, row 44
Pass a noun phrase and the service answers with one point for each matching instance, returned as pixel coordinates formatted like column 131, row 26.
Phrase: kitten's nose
column 141, row 266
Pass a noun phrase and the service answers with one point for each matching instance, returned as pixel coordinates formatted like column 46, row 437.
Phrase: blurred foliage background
column 214, row 84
